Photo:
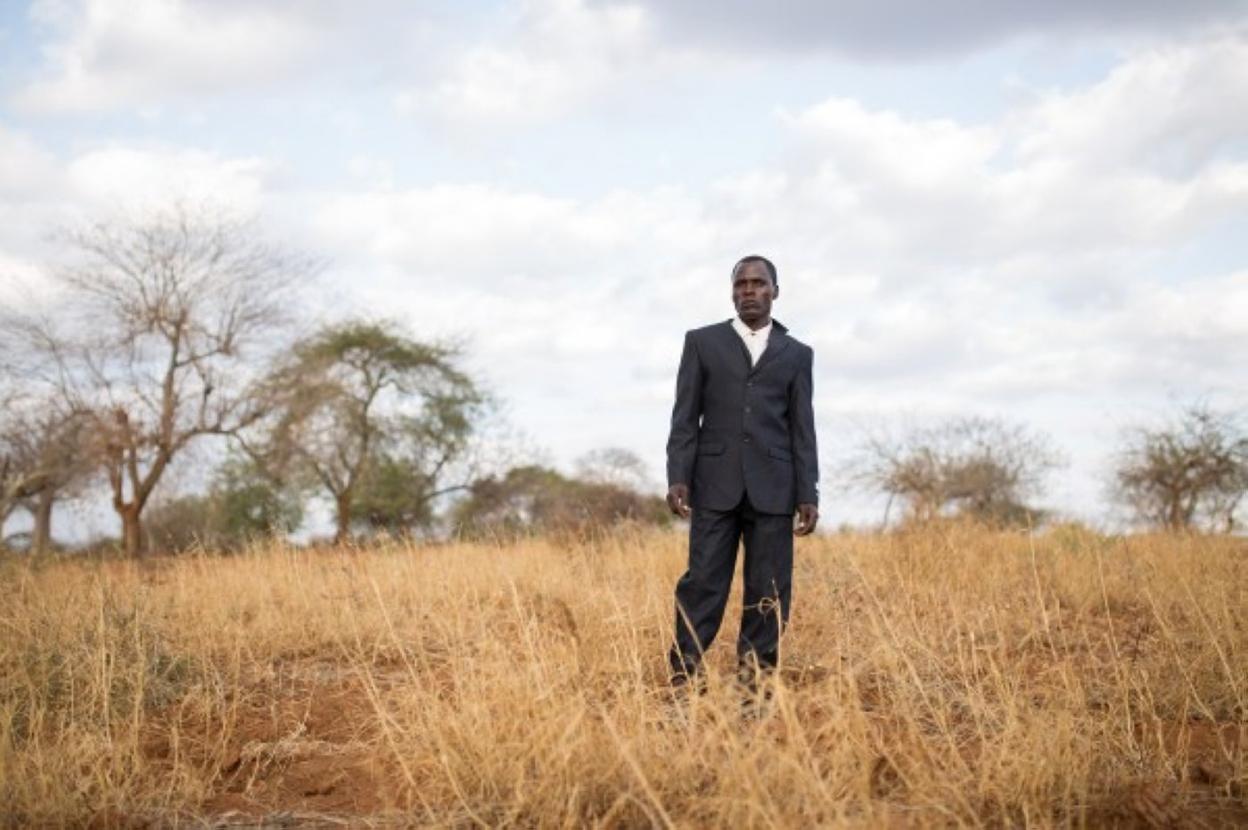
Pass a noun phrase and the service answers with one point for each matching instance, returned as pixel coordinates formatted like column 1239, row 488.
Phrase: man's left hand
column 807, row 518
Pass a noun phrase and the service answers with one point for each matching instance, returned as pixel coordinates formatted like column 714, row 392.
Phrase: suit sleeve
column 802, row 426
column 682, row 441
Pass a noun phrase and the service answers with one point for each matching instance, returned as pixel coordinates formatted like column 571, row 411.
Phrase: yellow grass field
column 941, row 677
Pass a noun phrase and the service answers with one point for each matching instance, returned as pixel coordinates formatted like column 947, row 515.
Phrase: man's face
column 753, row 291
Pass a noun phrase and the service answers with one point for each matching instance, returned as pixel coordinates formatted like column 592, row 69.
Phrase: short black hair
column 771, row 269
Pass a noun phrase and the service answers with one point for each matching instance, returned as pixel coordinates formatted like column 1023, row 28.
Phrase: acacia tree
column 392, row 497
column 987, row 468
column 1193, row 469
column 359, row 406
column 154, row 321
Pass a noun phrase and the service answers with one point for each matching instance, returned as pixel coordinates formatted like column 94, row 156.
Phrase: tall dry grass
column 951, row 676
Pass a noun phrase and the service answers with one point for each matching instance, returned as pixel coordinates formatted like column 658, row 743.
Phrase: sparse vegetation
column 535, row 499
column 986, row 469
column 1192, row 471
column 948, row 675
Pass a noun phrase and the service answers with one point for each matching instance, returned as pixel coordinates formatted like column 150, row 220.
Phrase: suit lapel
column 730, row 334
column 776, row 344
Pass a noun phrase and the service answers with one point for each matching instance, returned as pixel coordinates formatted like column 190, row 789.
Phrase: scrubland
column 947, row 676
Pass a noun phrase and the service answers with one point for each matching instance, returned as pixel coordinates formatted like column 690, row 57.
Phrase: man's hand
column 678, row 500
column 807, row 518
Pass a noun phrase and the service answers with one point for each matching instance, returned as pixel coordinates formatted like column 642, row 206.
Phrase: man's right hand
column 678, row 500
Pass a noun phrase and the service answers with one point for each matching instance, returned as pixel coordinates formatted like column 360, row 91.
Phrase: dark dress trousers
column 743, row 440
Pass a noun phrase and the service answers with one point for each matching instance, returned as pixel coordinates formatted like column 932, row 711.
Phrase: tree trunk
column 131, row 532
column 41, row 536
column 342, row 533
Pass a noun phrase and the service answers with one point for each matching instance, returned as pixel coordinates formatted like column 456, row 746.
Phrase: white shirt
column 755, row 341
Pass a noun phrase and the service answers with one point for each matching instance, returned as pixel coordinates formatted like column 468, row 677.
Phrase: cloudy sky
column 999, row 207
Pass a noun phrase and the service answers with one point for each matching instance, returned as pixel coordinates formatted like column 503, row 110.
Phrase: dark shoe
column 689, row 682
column 755, row 688
column 752, row 675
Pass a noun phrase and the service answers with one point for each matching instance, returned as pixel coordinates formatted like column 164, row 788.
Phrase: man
column 741, row 458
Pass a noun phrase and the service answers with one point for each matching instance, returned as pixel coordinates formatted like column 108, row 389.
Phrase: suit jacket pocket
column 781, row 453
column 710, row 448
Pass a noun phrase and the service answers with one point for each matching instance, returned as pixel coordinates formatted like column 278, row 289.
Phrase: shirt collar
column 746, row 331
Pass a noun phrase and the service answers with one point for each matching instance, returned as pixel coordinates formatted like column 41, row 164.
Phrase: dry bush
column 984, row 469
column 949, row 675
column 1192, row 472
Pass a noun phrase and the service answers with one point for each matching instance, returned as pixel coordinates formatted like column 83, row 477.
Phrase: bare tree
column 1191, row 470
column 370, row 416
column 614, row 466
column 41, row 442
column 41, row 461
column 11, row 470
column 150, row 338
column 982, row 467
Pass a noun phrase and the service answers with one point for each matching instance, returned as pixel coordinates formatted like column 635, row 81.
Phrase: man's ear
column 775, row 291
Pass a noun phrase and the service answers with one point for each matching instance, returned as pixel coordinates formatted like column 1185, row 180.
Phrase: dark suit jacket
column 737, row 430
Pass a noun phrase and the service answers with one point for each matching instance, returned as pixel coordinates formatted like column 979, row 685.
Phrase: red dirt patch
column 305, row 741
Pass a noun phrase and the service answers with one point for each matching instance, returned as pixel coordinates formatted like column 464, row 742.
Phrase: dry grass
column 953, row 676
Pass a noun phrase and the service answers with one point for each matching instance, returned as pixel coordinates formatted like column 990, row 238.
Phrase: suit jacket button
column 745, row 438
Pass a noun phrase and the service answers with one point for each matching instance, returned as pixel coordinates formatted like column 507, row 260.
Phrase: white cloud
column 139, row 178
column 1055, row 180
column 104, row 55
column 110, row 54
column 935, row 258
column 554, row 56
column 1168, row 111
column 483, row 231
column 25, row 167
column 41, row 193
column 913, row 154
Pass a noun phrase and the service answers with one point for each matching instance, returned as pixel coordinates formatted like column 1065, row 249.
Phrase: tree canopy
column 370, row 416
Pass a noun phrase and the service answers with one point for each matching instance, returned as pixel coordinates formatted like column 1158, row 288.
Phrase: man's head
column 754, row 287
